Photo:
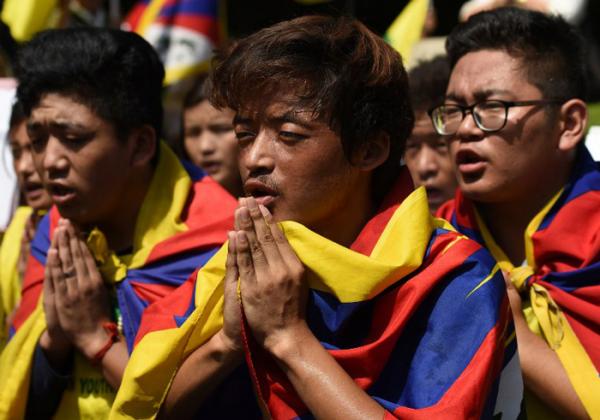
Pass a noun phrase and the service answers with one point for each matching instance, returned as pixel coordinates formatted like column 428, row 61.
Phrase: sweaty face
column 428, row 160
column 509, row 164
column 210, row 142
column 82, row 163
column 295, row 165
column 30, row 183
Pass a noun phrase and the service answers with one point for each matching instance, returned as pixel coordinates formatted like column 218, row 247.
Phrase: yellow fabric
column 10, row 280
column 407, row 29
column 158, row 220
column 398, row 252
column 547, row 320
column 25, row 18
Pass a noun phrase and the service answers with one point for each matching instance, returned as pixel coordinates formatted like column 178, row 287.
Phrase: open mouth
column 33, row 189
column 263, row 193
column 469, row 162
column 61, row 194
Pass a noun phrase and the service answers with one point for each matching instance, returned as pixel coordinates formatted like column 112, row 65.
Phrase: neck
column 120, row 228
column 507, row 221
column 350, row 218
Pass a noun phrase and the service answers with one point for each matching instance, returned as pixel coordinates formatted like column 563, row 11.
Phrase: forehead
column 281, row 107
column 204, row 111
column 478, row 75
column 57, row 108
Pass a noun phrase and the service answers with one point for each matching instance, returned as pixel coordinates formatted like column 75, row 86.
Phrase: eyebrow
column 286, row 117
column 479, row 95
column 57, row 126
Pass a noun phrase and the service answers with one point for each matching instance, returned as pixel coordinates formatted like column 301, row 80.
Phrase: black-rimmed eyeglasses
column 490, row 116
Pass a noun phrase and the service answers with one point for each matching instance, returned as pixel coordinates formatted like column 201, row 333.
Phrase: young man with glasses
column 529, row 190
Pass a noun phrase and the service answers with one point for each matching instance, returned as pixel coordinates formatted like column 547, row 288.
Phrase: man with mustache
column 352, row 301
column 529, row 190
column 129, row 223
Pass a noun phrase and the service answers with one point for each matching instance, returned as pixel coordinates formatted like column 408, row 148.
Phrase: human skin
column 94, row 179
column 428, row 159
column 29, row 180
column 287, row 160
column 210, row 142
column 506, row 174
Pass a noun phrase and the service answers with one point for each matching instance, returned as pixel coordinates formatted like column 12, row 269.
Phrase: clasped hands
column 272, row 289
column 76, row 300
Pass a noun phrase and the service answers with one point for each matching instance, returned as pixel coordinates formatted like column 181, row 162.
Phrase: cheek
column 229, row 149
column 190, row 145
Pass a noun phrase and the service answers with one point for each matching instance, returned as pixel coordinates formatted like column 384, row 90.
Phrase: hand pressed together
column 272, row 287
column 76, row 301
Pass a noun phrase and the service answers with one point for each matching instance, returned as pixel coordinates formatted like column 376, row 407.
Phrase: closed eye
column 289, row 136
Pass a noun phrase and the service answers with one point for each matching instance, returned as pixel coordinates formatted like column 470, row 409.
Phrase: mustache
column 264, row 179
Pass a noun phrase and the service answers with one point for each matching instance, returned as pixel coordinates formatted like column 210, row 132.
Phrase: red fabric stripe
column 160, row 315
column 204, row 25
column 208, row 216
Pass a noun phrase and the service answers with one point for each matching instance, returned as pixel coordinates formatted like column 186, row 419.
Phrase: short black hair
column 428, row 82
column 551, row 50
column 17, row 116
column 115, row 73
column 346, row 74
column 198, row 92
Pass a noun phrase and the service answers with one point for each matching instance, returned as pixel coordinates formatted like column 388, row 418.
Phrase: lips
column 33, row 190
column 61, row 194
column 469, row 162
column 263, row 193
column 211, row 167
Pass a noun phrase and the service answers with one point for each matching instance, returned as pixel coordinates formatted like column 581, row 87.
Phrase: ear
column 373, row 153
column 143, row 145
column 573, row 123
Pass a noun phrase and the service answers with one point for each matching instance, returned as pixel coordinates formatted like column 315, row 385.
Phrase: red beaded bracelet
column 113, row 336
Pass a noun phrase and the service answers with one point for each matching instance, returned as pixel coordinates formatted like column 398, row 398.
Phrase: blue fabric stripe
column 209, row 8
column 574, row 279
column 41, row 241
column 585, row 178
column 172, row 271
column 195, row 173
column 437, row 344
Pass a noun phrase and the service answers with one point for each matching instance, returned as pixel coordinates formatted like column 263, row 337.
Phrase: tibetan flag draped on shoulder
column 561, row 276
column 182, row 222
column 415, row 313
column 184, row 33
column 10, row 278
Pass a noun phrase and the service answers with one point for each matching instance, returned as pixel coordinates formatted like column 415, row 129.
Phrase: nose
column 207, row 143
column 468, row 130
column 257, row 156
column 427, row 164
column 54, row 159
column 24, row 164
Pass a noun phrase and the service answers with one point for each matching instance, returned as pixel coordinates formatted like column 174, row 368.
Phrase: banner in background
column 184, row 32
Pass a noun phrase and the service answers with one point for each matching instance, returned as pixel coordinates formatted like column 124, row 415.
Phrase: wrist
column 223, row 348
column 94, row 342
column 287, row 344
column 54, row 343
column 57, row 350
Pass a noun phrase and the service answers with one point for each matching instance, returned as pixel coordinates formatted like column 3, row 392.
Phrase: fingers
column 243, row 258
column 288, row 255
column 53, row 267
column 231, row 274
column 78, row 261
column 69, row 274
column 265, row 251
